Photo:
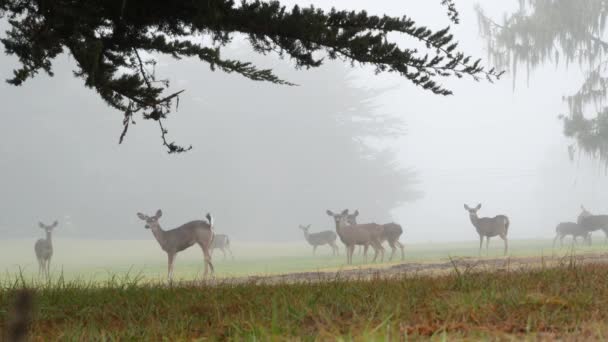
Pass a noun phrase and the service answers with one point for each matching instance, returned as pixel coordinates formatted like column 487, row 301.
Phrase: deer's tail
column 210, row 223
column 507, row 223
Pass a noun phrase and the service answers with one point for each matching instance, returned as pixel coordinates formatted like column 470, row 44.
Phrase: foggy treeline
column 265, row 157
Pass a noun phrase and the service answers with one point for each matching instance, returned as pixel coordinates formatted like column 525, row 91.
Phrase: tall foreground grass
column 569, row 301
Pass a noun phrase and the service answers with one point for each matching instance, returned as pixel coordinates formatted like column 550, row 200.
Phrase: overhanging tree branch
column 106, row 38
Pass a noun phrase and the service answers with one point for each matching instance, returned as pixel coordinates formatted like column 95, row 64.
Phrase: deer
column 564, row 229
column 326, row 237
column 358, row 234
column 178, row 239
column 392, row 232
column 44, row 249
column 592, row 222
column 489, row 227
column 221, row 242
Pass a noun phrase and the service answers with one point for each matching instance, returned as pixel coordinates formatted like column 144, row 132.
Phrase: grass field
column 97, row 260
column 114, row 290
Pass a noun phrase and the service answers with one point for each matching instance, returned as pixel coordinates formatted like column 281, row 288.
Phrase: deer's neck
column 474, row 220
column 159, row 235
column 48, row 239
column 307, row 236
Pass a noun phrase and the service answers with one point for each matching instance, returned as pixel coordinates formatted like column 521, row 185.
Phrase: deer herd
column 347, row 229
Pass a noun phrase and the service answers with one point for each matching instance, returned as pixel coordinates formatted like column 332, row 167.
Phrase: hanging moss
column 547, row 31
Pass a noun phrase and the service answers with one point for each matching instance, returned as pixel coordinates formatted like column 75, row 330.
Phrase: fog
column 267, row 158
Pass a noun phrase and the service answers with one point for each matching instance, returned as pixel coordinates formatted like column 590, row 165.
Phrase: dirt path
column 425, row 268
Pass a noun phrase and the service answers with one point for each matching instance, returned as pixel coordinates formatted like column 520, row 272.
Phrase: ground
column 115, row 290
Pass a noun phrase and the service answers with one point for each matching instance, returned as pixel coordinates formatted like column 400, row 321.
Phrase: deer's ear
column 478, row 206
column 141, row 216
column 55, row 224
column 309, row 226
column 41, row 225
column 159, row 213
column 356, row 213
column 466, row 207
column 345, row 212
column 329, row 212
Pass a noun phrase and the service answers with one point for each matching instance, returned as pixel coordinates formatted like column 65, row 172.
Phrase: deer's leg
column 231, row 254
column 224, row 252
column 314, row 250
column 365, row 248
column 487, row 245
column 561, row 241
column 393, row 249
column 504, row 237
column 48, row 267
column 208, row 263
column 170, row 260
column 351, row 250
column 555, row 240
column 401, row 248
column 480, row 243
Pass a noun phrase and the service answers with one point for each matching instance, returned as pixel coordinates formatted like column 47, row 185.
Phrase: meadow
column 115, row 290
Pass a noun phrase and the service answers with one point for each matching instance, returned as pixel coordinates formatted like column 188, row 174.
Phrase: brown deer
column 358, row 234
column 489, row 227
column 44, row 249
column 178, row 239
column 221, row 242
column 392, row 232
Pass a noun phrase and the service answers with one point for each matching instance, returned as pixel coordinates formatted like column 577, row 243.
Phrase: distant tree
column 318, row 154
column 560, row 32
column 107, row 40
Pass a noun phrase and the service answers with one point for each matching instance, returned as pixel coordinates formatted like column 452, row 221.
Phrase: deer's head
column 472, row 211
column 151, row 221
column 584, row 212
column 48, row 228
column 351, row 219
column 305, row 228
column 339, row 219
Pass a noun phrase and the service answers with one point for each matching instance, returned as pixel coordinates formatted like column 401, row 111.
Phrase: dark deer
column 358, row 234
column 571, row 228
column 44, row 249
column 326, row 237
column 178, row 239
column 489, row 227
column 592, row 222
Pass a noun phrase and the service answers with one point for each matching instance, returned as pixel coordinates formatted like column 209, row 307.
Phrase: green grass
column 569, row 302
column 98, row 260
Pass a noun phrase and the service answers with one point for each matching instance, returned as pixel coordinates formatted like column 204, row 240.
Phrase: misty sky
column 487, row 143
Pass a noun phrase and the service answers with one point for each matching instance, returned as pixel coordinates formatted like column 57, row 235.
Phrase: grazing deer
column 44, row 249
column 326, row 237
column 392, row 232
column 358, row 234
column 221, row 242
column 571, row 228
column 592, row 222
column 489, row 227
column 178, row 239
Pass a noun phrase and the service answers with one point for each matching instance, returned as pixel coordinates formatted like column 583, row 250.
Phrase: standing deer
column 221, row 242
column 358, row 234
column 392, row 232
column 489, row 227
column 326, row 237
column 178, row 239
column 44, row 249
column 592, row 222
column 571, row 228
